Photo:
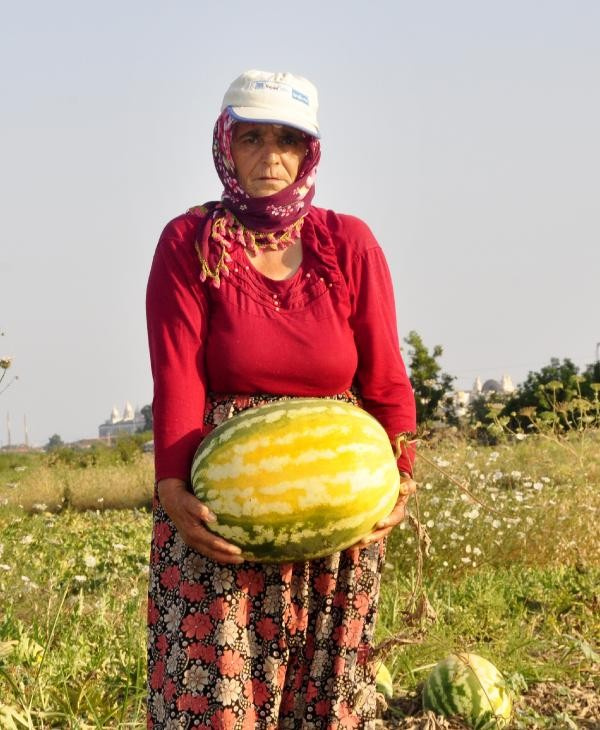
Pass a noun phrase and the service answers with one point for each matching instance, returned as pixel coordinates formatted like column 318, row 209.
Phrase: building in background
column 122, row 425
column 502, row 387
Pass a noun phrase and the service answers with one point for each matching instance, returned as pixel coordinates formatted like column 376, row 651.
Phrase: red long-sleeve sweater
column 329, row 327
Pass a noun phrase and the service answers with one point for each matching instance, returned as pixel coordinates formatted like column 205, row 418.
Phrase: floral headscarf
column 273, row 212
column 238, row 217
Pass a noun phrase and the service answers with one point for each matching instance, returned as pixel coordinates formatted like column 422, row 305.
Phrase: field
column 512, row 573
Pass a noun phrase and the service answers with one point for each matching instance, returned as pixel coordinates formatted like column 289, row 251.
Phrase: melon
column 296, row 479
column 470, row 687
column 383, row 681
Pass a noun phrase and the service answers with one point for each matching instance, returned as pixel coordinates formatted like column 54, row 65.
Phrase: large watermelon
column 296, row 479
column 470, row 687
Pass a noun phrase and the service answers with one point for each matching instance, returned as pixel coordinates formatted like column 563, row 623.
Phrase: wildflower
column 538, row 486
column 118, row 546
column 515, row 474
column 466, row 560
column 496, row 524
column 430, row 523
column 80, row 578
column 5, row 363
column 5, row 567
column 472, row 514
column 40, row 506
column 428, row 486
column 27, row 540
column 90, row 561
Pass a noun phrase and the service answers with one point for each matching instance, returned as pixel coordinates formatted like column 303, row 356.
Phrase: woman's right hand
column 188, row 515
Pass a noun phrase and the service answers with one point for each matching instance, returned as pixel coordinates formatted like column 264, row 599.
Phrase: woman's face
column 267, row 157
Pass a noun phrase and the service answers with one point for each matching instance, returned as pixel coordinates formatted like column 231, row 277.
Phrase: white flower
column 172, row 618
column 27, row 540
column 472, row 514
column 195, row 678
column 90, row 561
column 5, row 567
column 538, row 486
column 227, row 690
column 227, row 633
column 118, row 546
column 515, row 474
column 80, row 578
column 194, row 565
column 271, row 669
column 222, row 580
column 430, row 523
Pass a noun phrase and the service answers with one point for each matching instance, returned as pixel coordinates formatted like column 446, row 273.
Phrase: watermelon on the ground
column 470, row 687
column 296, row 479
column 383, row 681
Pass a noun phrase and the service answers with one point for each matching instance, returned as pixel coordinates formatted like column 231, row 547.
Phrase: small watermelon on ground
column 296, row 479
column 470, row 687
column 383, row 681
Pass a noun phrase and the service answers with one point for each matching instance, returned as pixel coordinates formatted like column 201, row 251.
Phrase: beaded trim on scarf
column 227, row 229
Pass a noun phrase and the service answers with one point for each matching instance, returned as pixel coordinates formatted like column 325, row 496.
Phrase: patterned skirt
column 248, row 646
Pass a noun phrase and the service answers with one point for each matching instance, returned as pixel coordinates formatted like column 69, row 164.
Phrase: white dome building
column 490, row 387
column 130, row 422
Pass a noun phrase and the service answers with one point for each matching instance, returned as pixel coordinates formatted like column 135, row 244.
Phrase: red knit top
column 329, row 327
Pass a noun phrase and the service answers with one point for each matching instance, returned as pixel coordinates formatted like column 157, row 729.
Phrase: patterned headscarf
column 272, row 219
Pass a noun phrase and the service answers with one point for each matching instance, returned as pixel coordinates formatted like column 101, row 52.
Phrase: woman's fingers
column 189, row 516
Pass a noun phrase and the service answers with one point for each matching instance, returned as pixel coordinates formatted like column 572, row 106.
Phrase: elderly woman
column 258, row 297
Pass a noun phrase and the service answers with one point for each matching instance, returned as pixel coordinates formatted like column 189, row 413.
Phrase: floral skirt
column 259, row 646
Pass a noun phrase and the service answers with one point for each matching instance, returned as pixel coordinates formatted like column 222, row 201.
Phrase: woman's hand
column 188, row 514
column 397, row 515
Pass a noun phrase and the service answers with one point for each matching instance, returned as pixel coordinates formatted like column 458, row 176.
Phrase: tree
column 533, row 393
column 433, row 388
column 558, row 388
column 146, row 411
column 54, row 442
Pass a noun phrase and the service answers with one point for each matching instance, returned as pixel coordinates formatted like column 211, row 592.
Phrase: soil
column 545, row 705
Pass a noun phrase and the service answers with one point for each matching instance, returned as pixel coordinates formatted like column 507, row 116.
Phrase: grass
column 518, row 585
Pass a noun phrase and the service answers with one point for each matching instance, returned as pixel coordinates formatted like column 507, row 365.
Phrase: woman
column 258, row 297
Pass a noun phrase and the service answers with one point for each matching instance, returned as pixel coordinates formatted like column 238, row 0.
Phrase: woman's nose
column 271, row 151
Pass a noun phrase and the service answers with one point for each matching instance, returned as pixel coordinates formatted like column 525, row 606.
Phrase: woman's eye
column 290, row 140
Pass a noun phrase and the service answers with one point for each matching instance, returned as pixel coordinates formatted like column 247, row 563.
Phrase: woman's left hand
column 397, row 515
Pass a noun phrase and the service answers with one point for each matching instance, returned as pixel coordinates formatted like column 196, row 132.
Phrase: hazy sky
column 465, row 133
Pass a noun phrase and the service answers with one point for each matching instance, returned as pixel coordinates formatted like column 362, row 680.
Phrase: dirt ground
column 544, row 705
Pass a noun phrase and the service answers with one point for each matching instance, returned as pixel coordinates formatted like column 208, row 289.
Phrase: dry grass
column 53, row 488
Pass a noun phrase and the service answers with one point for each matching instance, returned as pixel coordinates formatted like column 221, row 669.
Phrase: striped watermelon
column 296, row 479
column 470, row 687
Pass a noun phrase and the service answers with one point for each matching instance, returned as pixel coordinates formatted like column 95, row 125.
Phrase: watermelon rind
column 297, row 479
column 383, row 681
column 470, row 687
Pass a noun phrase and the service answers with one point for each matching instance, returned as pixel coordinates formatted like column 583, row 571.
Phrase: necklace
column 227, row 229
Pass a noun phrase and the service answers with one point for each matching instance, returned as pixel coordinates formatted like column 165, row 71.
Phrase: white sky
column 465, row 133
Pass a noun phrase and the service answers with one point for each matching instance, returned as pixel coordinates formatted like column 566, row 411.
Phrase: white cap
column 274, row 98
